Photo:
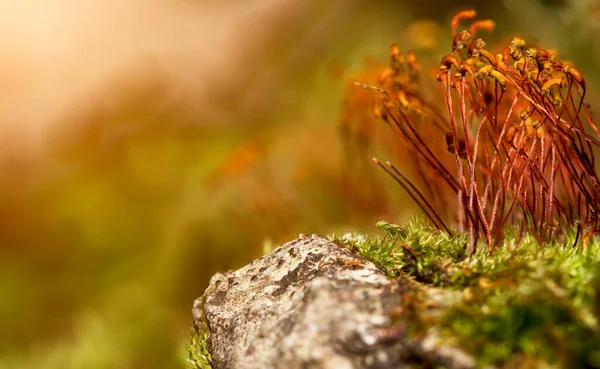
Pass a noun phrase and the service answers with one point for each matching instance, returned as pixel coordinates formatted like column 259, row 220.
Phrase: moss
column 530, row 302
column 414, row 250
column 198, row 356
column 518, row 305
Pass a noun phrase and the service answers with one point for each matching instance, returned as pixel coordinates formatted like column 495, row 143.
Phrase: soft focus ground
column 149, row 144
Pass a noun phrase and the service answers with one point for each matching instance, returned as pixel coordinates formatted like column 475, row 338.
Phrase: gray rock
column 311, row 303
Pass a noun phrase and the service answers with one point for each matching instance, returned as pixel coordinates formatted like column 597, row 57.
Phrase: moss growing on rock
column 197, row 353
column 198, row 356
column 515, row 306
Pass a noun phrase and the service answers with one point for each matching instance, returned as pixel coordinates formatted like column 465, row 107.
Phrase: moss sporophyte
column 502, row 145
column 501, row 153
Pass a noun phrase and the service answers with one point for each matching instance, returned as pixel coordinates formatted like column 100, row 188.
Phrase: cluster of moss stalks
column 531, row 296
column 525, row 306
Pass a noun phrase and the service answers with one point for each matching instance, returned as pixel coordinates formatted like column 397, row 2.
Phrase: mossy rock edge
column 519, row 305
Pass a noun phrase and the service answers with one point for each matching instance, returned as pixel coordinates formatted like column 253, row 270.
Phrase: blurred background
column 149, row 144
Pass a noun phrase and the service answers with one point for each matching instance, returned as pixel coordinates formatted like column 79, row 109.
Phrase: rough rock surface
column 311, row 303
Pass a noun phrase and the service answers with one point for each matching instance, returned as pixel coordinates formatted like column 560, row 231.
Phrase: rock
column 311, row 303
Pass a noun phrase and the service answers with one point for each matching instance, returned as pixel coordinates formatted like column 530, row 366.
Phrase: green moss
column 517, row 306
column 414, row 250
column 530, row 302
column 198, row 356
